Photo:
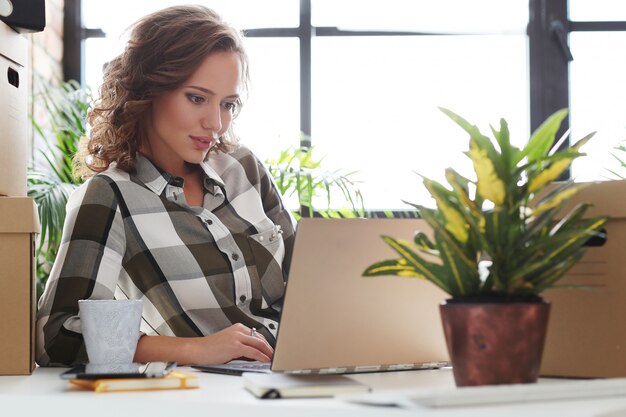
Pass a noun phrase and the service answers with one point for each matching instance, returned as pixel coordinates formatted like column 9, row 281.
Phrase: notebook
column 334, row 320
column 275, row 385
column 174, row 380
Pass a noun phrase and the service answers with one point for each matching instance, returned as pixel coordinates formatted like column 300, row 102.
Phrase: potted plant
column 498, row 241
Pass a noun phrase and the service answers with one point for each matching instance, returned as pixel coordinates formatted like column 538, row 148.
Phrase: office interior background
column 363, row 79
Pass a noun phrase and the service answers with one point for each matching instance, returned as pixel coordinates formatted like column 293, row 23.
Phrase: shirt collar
column 157, row 179
column 211, row 173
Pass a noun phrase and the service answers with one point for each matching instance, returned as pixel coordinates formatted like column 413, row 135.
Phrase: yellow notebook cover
column 174, row 380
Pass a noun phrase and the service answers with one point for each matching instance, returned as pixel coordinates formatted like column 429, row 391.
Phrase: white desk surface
column 44, row 394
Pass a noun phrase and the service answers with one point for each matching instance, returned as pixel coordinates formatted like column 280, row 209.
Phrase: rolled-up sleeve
column 87, row 266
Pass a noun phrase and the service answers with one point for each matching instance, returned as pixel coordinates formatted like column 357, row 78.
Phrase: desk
column 44, row 394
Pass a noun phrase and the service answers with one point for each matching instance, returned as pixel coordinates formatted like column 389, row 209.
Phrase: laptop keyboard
column 236, row 367
column 251, row 366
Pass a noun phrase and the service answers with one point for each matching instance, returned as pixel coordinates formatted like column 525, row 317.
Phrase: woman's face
column 185, row 123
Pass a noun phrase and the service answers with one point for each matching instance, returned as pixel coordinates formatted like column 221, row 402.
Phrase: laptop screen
column 334, row 319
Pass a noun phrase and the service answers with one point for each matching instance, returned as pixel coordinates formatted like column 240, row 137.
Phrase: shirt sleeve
column 87, row 266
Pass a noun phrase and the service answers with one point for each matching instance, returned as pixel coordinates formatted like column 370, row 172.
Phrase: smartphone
column 117, row 370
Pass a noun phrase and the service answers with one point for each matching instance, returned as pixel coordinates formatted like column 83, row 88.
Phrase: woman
column 177, row 213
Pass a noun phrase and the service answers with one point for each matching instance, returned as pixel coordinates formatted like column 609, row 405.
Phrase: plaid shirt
column 198, row 270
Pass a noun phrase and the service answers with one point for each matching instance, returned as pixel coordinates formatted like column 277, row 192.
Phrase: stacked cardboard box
column 14, row 89
column 586, row 332
column 18, row 224
column 18, row 213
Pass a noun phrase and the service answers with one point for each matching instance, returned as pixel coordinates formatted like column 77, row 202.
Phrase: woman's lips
column 202, row 142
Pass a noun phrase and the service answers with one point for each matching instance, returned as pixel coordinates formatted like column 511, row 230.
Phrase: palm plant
column 507, row 219
column 51, row 180
column 297, row 173
column 620, row 157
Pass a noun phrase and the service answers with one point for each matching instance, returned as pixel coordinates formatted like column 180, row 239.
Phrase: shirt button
column 242, row 298
column 177, row 181
column 271, row 326
column 235, row 256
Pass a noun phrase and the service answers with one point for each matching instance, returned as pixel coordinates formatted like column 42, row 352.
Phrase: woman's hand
column 234, row 342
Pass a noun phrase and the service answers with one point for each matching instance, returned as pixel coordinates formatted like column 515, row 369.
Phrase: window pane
column 97, row 52
column 452, row 16
column 597, row 100
column 244, row 14
column 597, row 10
column 375, row 105
column 270, row 118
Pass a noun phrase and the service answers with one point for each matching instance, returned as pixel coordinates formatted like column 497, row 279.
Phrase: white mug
column 110, row 329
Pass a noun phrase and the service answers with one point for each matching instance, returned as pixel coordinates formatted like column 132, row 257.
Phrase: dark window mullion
column 74, row 35
column 272, row 33
column 597, row 26
column 72, row 41
column 549, row 66
column 306, row 33
column 334, row 31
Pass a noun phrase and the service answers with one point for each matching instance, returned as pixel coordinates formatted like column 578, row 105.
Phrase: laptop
column 334, row 320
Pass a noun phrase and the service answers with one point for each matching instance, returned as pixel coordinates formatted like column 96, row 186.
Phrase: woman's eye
column 195, row 99
column 231, row 106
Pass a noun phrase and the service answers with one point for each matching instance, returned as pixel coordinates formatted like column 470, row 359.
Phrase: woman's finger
column 260, row 344
column 255, row 354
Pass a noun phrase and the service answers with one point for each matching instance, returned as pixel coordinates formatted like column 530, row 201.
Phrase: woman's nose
column 212, row 120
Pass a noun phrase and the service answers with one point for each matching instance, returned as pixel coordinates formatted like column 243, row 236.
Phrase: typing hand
column 234, row 342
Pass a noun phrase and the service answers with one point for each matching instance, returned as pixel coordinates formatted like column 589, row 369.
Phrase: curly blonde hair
column 163, row 51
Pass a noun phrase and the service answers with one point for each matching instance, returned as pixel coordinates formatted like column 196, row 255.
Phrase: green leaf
column 462, row 269
column 469, row 208
column 423, row 242
column 551, row 250
column 572, row 219
column 582, row 142
column 482, row 141
column 543, row 138
column 398, row 267
column 552, row 275
column 431, row 271
column 504, row 141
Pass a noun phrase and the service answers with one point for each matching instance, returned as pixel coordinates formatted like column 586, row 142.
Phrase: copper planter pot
column 495, row 342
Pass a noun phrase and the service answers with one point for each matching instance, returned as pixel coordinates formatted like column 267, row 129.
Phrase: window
column 375, row 104
column 598, row 84
column 597, row 100
column 364, row 78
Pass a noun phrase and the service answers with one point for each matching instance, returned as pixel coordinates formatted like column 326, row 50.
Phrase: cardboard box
column 18, row 224
column 587, row 328
column 14, row 90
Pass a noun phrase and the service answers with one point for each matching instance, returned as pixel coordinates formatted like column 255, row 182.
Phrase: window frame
column 549, row 56
column 548, row 39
